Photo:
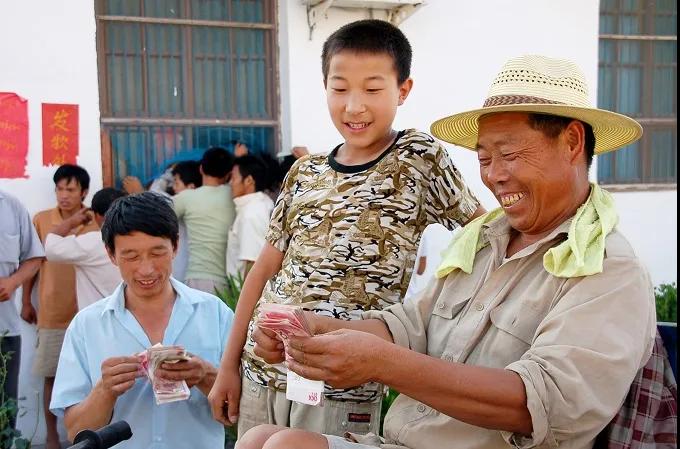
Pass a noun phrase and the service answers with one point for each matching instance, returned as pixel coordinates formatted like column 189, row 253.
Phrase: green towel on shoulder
column 582, row 254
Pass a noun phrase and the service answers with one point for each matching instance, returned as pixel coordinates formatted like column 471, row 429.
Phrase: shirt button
column 344, row 424
column 448, row 358
column 253, row 388
column 440, row 305
column 421, row 408
column 157, row 439
column 479, row 306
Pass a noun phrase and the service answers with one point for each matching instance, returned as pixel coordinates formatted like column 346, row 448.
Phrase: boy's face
column 363, row 95
column 239, row 185
column 179, row 186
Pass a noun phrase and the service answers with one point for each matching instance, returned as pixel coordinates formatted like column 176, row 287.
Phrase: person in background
column 208, row 213
column 186, row 175
column 56, row 285
column 249, row 181
column 435, row 240
column 96, row 276
column 20, row 260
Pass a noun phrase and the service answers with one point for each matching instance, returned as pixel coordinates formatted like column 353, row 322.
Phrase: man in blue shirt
column 99, row 377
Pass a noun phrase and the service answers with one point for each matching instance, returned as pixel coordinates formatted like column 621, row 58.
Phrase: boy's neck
column 349, row 155
column 212, row 181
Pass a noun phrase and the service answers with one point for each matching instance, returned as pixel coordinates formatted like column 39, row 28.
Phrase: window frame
column 108, row 119
column 646, row 182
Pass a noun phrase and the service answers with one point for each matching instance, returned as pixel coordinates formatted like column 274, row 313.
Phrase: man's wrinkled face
column 529, row 173
column 145, row 263
column 70, row 195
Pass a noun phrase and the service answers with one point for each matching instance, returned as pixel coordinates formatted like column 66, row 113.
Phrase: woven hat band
column 504, row 100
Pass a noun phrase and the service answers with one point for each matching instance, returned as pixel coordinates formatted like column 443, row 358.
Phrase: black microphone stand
column 104, row 438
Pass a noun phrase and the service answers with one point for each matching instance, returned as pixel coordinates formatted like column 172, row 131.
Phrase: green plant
column 387, row 401
column 9, row 409
column 229, row 295
column 666, row 302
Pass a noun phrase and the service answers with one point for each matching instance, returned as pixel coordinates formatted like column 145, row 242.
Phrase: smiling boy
column 345, row 229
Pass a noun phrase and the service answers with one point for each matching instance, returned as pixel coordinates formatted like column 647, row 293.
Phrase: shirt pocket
column 515, row 327
column 447, row 307
column 10, row 251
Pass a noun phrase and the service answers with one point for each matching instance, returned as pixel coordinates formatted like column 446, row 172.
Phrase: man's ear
column 404, row 90
column 575, row 139
column 111, row 256
column 83, row 195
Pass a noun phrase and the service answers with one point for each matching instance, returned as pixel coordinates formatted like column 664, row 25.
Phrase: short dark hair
column 553, row 125
column 189, row 172
column 370, row 36
column 217, row 162
column 147, row 212
column 255, row 166
column 71, row 171
column 102, row 200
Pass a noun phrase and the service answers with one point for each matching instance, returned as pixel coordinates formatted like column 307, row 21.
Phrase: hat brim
column 612, row 131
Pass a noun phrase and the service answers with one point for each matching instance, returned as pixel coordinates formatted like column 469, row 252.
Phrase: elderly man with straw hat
column 540, row 314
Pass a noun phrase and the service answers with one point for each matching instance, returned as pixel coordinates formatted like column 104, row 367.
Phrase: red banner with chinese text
column 13, row 135
column 60, row 133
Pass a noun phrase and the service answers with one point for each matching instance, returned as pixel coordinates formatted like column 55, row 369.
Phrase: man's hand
column 28, row 313
column 132, row 185
column 7, row 288
column 299, row 151
column 268, row 346
column 192, row 371
column 82, row 217
column 225, row 396
column 240, row 149
column 119, row 374
column 343, row 358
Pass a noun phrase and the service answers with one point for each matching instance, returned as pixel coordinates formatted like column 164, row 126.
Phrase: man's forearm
column 371, row 326
column 27, row 270
column 486, row 397
column 93, row 413
column 27, row 288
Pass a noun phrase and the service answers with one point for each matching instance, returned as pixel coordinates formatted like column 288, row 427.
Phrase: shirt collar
column 248, row 198
column 500, row 229
column 116, row 302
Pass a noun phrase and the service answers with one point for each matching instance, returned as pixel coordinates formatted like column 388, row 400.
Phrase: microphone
column 104, row 438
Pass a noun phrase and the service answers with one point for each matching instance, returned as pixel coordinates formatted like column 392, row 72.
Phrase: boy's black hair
column 189, row 172
column 147, row 212
column 71, row 171
column 102, row 200
column 370, row 36
column 258, row 168
column 217, row 162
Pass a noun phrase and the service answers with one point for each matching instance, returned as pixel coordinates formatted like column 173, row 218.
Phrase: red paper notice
column 13, row 135
column 60, row 133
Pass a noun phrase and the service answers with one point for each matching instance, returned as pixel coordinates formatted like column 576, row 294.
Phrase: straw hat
column 546, row 86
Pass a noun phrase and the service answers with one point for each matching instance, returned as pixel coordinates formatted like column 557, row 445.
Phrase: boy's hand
column 268, row 346
column 225, row 396
column 28, row 313
column 7, row 288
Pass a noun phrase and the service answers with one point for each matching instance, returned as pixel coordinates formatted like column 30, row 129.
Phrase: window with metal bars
column 179, row 76
column 637, row 77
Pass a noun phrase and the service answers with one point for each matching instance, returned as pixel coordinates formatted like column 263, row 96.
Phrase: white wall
column 650, row 222
column 48, row 56
column 458, row 47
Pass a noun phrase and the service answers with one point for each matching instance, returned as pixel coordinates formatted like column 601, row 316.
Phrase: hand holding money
column 165, row 390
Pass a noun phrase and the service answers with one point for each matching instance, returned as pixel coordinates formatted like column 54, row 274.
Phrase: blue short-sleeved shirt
column 18, row 243
column 199, row 322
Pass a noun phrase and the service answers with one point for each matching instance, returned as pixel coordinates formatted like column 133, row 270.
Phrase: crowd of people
column 527, row 332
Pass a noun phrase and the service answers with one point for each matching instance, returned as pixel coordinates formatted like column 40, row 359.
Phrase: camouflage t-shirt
column 350, row 235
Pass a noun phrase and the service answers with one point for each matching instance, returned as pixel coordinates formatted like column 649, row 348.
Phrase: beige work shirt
column 576, row 343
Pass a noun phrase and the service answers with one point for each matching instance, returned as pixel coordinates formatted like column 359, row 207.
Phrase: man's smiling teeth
column 147, row 282
column 509, row 200
column 357, row 125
